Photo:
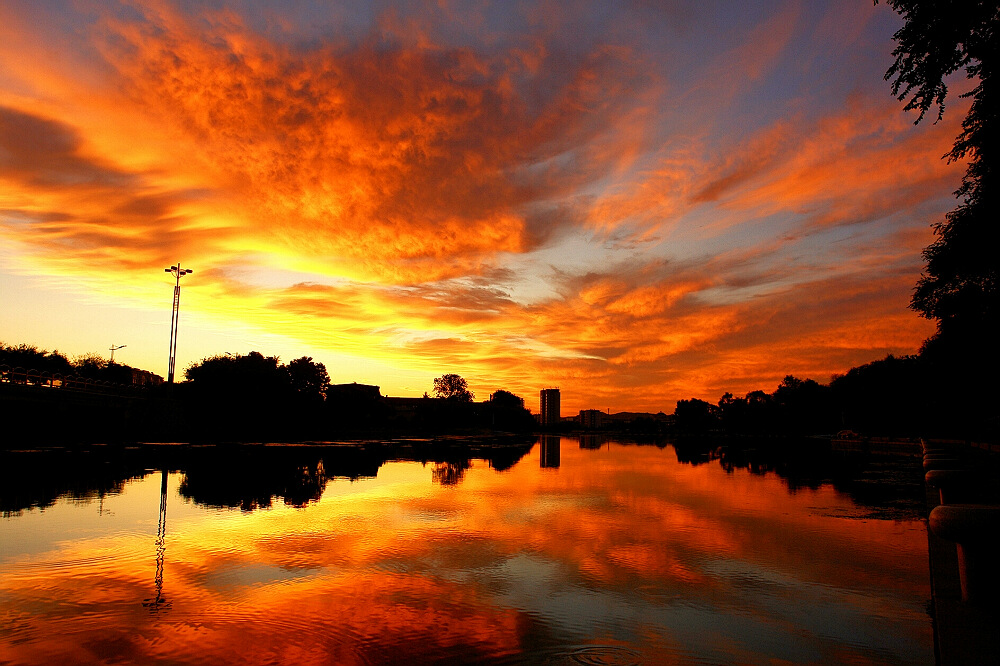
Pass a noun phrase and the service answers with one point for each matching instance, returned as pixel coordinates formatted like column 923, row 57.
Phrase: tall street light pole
column 178, row 272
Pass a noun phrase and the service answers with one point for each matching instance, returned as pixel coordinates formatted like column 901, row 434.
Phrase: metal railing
column 44, row 380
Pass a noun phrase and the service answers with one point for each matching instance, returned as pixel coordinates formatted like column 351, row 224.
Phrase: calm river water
column 560, row 551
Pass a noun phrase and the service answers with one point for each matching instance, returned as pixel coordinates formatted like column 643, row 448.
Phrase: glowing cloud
column 638, row 205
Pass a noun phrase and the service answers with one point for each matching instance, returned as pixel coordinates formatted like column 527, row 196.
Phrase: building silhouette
column 591, row 419
column 549, row 406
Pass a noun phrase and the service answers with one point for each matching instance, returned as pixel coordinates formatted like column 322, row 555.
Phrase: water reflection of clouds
column 787, row 619
column 622, row 545
column 241, row 575
column 832, row 613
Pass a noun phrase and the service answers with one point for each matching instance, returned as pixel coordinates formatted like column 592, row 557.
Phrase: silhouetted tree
column 502, row 398
column 31, row 357
column 452, row 387
column 959, row 287
column 253, row 479
column 308, row 378
column 91, row 366
column 236, row 374
column 695, row 415
column 232, row 396
column 891, row 396
column 118, row 373
column 507, row 412
column 803, row 406
column 733, row 413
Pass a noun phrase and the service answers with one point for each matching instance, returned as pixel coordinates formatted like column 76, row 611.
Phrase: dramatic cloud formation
column 638, row 204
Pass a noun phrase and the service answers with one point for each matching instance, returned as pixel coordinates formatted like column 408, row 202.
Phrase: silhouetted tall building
column 549, row 406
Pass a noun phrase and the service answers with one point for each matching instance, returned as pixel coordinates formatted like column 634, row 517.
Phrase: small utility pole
column 178, row 272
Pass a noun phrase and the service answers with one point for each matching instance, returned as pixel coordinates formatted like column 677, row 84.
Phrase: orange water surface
column 612, row 554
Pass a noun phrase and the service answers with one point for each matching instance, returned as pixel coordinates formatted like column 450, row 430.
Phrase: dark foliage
column 31, row 357
column 236, row 372
column 239, row 397
column 247, row 477
column 89, row 366
column 453, row 387
column 796, row 407
column 502, row 398
column 308, row 379
column 885, row 397
column 959, row 287
column 506, row 412
column 899, row 396
column 695, row 415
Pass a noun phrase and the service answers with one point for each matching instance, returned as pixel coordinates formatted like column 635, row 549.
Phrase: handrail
column 44, row 379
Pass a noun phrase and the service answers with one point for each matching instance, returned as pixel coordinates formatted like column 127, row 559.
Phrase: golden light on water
column 619, row 545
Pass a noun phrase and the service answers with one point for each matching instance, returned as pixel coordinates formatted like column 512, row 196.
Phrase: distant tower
column 549, row 406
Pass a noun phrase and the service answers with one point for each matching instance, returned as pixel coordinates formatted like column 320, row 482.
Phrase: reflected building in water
column 550, row 451
column 592, row 442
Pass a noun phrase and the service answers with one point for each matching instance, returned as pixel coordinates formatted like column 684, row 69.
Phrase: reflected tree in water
column 450, row 473
column 37, row 479
column 253, row 484
column 246, row 477
column 891, row 486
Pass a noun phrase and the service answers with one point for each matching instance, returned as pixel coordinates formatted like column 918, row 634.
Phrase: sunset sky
column 636, row 202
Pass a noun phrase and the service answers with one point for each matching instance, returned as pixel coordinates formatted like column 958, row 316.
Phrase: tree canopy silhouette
column 507, row 412
column 959, row 285
column 90, row 365
column 453, row 387
column 31, row 357
column 308, row 378
column 237, row 373
column 503, row 398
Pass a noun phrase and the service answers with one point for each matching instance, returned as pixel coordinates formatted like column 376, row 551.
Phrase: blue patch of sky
column 302, row 23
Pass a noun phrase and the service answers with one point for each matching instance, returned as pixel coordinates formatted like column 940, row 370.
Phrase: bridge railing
column 45, row 380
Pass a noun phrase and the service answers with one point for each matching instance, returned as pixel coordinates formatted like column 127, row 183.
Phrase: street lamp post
column 115, row 348
column 178, row 272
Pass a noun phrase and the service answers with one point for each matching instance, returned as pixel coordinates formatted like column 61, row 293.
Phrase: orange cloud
column 853, row 167
column 525, row 209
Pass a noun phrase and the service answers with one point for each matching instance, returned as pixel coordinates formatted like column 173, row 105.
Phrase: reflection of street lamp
column 158, row 602
column 113, row 350
column 175, row 316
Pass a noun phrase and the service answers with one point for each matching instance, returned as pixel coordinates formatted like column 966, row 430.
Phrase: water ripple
column 597, row 655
